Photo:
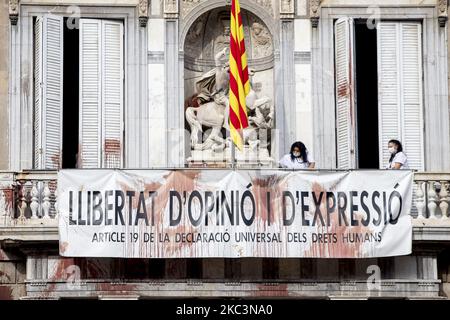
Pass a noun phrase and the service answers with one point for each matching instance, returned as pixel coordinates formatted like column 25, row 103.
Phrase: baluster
column 3, row 212
column 443, row 198
column 46, row 201
column 420, row 200
column 432, row 199
column 56, row 203
column 34, row 201
column 22, row 201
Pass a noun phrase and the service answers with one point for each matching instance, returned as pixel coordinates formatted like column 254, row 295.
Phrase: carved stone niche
column 314, row 12
column 443, row 12
column 14, row 11
column 143, row 13
column 206, row 86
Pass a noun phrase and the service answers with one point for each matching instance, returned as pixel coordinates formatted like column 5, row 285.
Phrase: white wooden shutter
column 345, row 93
column 400, row 90
column 411, row 80
column 90, row 93
column 101, row 93
column 112, row 93
column 48, row 95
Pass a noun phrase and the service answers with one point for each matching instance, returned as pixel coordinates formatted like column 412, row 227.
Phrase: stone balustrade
column 431, row 196
column 29, row 197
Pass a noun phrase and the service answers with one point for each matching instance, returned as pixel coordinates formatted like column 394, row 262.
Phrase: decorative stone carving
column 314, row 12
column 210, row 33
column 194, row 38
column 171, row 9
column 286, row 9
column 14, row 11
column 206, row 86
column 143, row 12
column 208, row 108
column 443, row 12
column 187, row 6
column 261, row 40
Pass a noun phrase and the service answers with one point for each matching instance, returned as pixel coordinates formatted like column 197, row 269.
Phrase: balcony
column 28, row 206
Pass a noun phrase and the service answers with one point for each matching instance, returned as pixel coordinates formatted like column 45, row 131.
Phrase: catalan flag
column 239, row 82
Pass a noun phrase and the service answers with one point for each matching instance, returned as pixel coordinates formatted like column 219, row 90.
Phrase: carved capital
column 171, row 9
column 14, row 11
column 143, row 13
column 286, row 9
column 443, row 12
column 314, row 12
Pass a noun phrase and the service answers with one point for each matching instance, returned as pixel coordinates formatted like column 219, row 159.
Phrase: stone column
column 286, row 117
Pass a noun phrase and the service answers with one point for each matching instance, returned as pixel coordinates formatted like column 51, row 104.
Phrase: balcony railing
column 29, row 198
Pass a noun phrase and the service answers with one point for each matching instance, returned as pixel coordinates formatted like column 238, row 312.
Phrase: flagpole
column 233, row 155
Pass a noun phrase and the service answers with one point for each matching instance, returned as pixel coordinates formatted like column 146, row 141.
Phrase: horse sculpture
column 212, row 97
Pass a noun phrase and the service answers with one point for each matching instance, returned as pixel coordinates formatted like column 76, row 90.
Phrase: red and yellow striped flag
column 239, row 82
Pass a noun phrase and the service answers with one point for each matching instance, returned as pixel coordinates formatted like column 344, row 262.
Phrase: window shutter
column 388, row 87
column 411, row 112
column 101, row 93
column 400, row 90
column 345, row 92
column 112, row 93
column 38, row 48
column 48, row 68
column 90, row 93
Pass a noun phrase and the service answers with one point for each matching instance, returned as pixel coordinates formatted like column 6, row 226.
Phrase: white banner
column 227, row 213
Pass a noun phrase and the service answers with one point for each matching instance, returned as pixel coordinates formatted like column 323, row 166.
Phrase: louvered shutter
column 90, row 93
column 112, row 93
column 400, row 90
column 48, row 95
column 411, row 112
column 345, row 92
column 101, row 93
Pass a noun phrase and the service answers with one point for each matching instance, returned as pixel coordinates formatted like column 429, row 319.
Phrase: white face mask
column 296, row 154
column 392, row 150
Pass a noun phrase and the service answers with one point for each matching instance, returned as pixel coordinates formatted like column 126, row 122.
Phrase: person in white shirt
column 398, row 159
column 298, row 158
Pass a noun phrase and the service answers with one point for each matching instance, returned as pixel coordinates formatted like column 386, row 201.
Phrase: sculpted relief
column 206, row 76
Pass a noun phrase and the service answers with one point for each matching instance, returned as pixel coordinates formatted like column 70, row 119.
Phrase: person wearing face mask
column 298, row 158
column 398, row 159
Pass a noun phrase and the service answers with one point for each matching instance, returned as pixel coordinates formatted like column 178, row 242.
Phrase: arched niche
column 208, row 35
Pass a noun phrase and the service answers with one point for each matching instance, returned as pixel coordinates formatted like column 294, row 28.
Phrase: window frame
column 435, row 83
column 21, row 98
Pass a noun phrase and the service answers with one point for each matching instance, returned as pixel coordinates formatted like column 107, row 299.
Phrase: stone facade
column 167, row 49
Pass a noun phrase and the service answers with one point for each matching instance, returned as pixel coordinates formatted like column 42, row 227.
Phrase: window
column 369, row 113
column 78, row 116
